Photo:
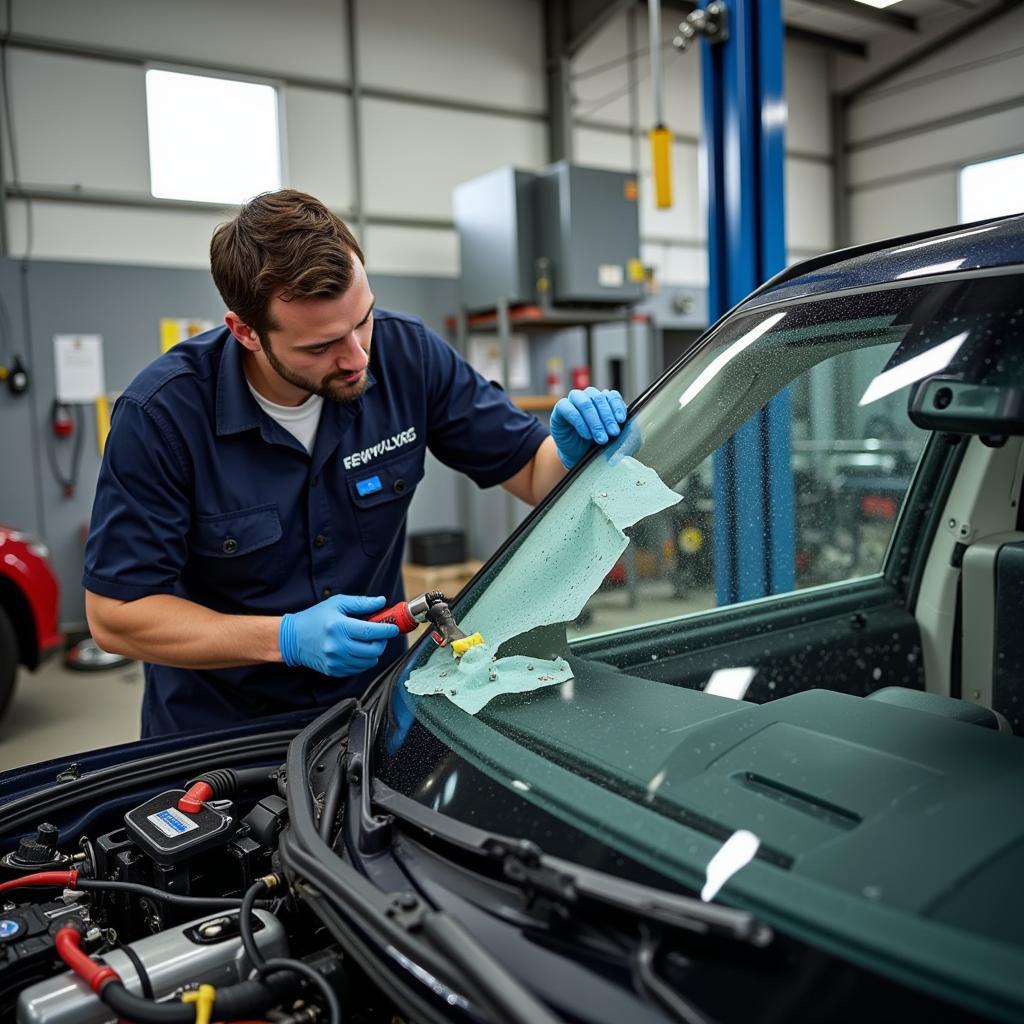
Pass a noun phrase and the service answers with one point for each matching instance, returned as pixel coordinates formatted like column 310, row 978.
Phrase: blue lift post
column 744, row 136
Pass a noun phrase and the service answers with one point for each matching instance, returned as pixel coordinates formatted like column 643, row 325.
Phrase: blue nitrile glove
column 583, row 417
column 325, row 639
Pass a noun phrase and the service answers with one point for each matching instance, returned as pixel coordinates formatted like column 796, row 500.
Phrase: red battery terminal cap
column 192, row 802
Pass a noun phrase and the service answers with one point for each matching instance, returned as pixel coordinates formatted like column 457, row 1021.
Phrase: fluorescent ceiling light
column 878, row 3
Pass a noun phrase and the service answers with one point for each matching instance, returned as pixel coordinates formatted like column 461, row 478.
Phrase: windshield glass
column 628, row 679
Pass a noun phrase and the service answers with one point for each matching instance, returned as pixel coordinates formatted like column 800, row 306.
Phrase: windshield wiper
column 567, row 885
column 370, row 923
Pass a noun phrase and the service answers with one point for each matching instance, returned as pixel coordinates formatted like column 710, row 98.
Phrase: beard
column 332, row 387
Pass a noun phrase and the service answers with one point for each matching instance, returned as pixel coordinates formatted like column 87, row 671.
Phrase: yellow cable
column 204, row 998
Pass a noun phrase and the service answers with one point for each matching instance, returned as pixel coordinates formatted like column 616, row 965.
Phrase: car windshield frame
column 885, row 938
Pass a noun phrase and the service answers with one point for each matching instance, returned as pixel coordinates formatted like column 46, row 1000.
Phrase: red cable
column 95, row 974
column 66, row 878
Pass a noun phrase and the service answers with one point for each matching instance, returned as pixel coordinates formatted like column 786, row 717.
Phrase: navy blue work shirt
column 202, row 495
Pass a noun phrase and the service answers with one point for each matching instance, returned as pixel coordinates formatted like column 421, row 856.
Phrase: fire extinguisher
column 65, row 425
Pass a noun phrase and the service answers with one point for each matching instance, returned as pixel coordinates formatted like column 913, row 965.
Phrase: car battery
column 27, row 945
column 207, row 950
column 169, row 834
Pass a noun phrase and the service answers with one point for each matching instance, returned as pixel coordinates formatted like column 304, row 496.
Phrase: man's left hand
column 585, row 417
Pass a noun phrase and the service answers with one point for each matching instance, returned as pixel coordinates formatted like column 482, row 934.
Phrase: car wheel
column 8, row 661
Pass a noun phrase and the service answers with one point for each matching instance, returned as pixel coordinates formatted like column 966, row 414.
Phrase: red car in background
column 29, row 603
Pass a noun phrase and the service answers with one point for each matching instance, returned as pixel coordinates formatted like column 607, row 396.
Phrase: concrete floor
column 55, row 711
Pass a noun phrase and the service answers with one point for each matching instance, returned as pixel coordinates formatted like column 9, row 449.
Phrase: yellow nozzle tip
column 459, row 647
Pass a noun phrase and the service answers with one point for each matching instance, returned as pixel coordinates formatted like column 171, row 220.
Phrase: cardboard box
column 449, row 579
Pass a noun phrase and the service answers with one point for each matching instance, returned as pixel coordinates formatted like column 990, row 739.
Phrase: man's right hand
column 327, row 639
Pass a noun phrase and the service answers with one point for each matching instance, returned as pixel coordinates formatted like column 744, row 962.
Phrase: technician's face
column 322, row 346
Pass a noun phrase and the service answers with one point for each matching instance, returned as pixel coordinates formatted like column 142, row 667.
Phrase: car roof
column 991, row 243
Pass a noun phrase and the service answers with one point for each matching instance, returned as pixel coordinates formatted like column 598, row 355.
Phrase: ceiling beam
column 839, row 44
column 881, row 18
column 585, row 18
column 964, row 28
column 849, row 47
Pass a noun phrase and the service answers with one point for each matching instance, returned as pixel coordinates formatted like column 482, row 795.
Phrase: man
column 256, row 478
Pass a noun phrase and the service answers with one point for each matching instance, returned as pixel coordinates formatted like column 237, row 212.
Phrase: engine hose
column 71, row 880
column 173, row 898
column 66, row 878
column 245, row 923
column 227, row 783
column 244, row 999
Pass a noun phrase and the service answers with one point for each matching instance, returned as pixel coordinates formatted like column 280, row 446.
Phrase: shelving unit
column 504, row 319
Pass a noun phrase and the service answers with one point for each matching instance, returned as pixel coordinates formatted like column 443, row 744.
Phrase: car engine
column 149, row 916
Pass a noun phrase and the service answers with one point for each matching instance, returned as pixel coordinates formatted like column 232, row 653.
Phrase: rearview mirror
column 955, row 406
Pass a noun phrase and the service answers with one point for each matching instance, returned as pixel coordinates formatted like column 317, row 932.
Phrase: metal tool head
column 446, row 628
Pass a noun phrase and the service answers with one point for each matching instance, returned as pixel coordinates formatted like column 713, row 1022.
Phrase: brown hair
column 281, row 242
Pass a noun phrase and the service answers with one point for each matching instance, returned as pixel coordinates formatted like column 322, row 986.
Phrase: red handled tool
column 430, row 607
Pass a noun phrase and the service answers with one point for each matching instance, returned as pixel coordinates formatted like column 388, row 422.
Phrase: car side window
column 851, row 461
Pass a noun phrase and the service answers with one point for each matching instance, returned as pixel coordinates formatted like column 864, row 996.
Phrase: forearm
column 168, row 630
column 533, row 482
column 547, row 470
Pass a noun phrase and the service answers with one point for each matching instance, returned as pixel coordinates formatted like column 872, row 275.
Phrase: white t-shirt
column 299, row 420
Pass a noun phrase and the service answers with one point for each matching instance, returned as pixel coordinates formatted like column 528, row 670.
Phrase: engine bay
column 180, row 908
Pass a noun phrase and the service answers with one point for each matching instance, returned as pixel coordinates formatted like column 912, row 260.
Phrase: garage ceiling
column 858, row 22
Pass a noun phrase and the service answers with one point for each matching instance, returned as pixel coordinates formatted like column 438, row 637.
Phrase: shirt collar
column 237, row 410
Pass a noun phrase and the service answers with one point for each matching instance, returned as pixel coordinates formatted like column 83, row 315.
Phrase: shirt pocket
column 380, row 494
column 240, row 549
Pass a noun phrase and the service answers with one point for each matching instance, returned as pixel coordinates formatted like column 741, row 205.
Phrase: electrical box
column 578, row 228
column 589, row 229
column 496, row 223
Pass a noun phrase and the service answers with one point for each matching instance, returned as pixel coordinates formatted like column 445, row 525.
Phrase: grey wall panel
column 97, row 233
column 124, row 305
column 318, row 133
column 600, row 91
column 920, row 203
column 958, row 91
column 1001, row 36
column 910, row 135
column 78, row 122
column 809, row 116
column 808, row 205
column 997, row 134
column 18, row 495
column 414, row 155
column 483, row 50
column 411, row 251
column 306, row 38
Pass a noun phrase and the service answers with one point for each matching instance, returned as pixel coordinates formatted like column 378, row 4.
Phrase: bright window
column 992, row 188
column 211, row 139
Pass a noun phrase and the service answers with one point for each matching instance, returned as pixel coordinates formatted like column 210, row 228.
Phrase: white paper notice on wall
column 485, row 355
column 78, row 366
